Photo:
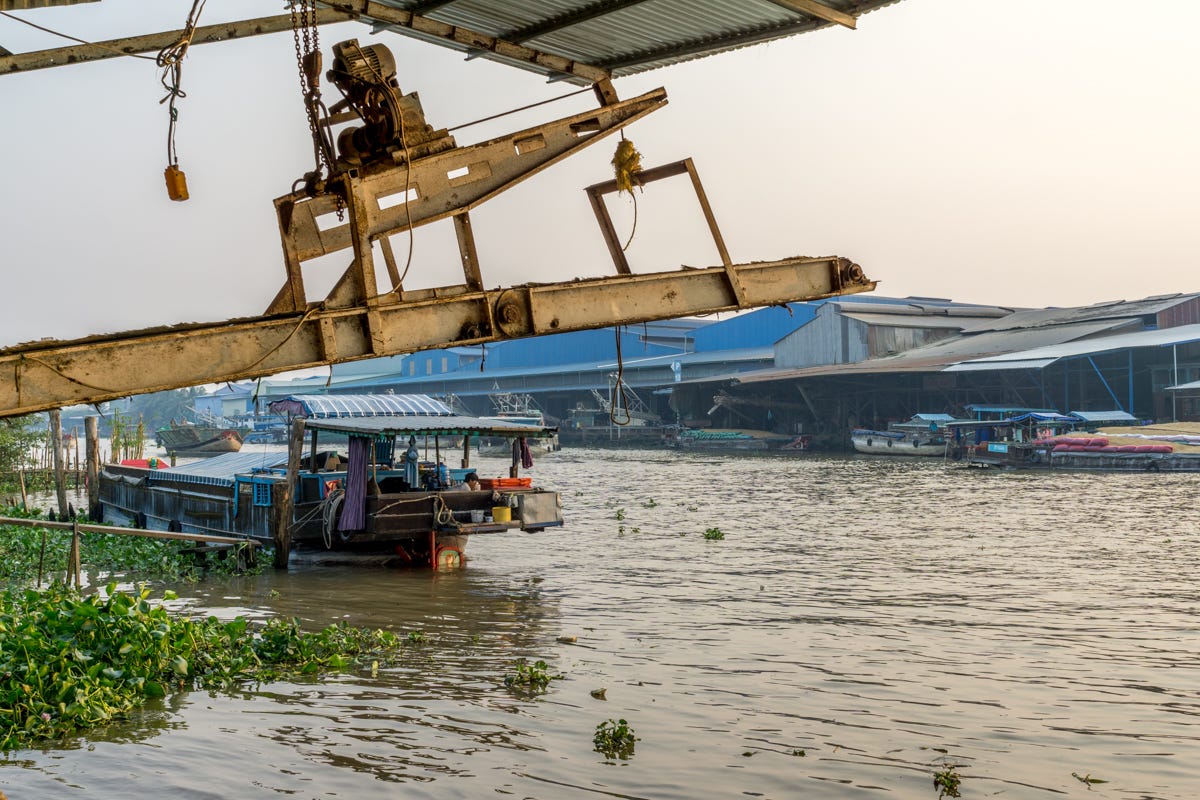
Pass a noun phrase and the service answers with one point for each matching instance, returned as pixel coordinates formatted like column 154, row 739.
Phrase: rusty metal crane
column 392, row 172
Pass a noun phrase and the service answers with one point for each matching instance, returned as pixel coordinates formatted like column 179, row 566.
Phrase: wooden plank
column 820, row 11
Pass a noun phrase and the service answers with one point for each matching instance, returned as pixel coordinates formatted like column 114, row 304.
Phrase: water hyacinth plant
column 614, row 739
column 533, row 677
column 69, row 663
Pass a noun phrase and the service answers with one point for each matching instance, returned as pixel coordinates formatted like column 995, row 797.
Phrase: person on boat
column 470, row 483
column 412, row 464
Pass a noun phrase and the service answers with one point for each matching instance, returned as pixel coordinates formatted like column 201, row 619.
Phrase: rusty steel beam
column 51, row 374
column 332, row 12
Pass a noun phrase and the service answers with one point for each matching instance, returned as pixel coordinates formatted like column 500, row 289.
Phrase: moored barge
column 364, row 490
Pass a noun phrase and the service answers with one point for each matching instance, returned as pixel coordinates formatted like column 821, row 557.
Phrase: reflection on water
column 863, row 623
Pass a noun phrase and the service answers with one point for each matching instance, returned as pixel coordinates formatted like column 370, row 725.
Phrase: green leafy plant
column 417, row 637
column 530, row 677
column 714, row 534
column 947, row 782
column 620, row 514
column 69, row 663
column 614, row 738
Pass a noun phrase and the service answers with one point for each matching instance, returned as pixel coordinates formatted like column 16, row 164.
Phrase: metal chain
column 307, row 41
column 309, row 92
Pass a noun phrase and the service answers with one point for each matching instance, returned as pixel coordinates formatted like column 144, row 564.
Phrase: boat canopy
column 452, row 425
column 340, row 406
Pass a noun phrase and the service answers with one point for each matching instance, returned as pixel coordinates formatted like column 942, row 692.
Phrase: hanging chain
column 307, row 41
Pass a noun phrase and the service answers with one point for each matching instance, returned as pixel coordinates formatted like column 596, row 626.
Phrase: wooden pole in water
column 76, row 557
column 91, row 428
column 285, row 502
column 56, row 442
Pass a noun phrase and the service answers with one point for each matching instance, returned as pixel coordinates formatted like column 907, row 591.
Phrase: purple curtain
column 354, row 506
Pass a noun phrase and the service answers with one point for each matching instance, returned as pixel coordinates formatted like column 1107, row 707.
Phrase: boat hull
column 198, row 439
column 880, row 444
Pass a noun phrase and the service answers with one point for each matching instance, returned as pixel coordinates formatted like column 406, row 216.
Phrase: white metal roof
column 1164, row 337
column 1184, row 387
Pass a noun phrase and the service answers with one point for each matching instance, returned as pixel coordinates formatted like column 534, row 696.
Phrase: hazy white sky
column 1001, row 151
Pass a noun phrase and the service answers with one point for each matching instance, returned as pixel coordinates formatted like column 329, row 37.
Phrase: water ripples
column 864, row 623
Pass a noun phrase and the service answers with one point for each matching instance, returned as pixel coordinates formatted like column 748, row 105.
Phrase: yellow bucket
column 501, row 514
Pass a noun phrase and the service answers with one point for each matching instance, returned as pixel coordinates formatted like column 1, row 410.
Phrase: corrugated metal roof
column 1104, row 416
column 1165, row 337
column 1180, row 387
column 22, row 5
column 1057, row 316
column 453, row 425
column 219, row 470
column 912, row 320
column 983, row 366
column 330, row 406
column 625, row 36
column 936, row 357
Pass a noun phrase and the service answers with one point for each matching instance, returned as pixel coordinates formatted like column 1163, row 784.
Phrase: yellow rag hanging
column 627, row 163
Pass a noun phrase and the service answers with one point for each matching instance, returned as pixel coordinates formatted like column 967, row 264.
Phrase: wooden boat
column 188, row 439
column 725, row 440
column 923, row 435
column 355, row 495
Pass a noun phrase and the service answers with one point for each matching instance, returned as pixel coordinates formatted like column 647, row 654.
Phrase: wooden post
column 76, row 558
column 466, row 459
column 56, row 441
column 91, row 427
column 24, row 494
column 284, row 502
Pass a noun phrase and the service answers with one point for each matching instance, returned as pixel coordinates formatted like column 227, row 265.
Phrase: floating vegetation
column 23, row 551
column 620, row 514
column 69, row 663
column 1087, row 779
column 417, row 637
column 533, row 677
column 799, row 753
column 947, row 782
column 714, row 534
column 614, row 738
column 599, row 694
column 651, row 503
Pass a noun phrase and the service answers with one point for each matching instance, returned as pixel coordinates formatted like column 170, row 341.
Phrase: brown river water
column 864, row 624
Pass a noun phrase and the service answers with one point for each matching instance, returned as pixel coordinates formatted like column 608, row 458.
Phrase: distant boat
column 189, row 439
column 517, row 409
column 923, row 435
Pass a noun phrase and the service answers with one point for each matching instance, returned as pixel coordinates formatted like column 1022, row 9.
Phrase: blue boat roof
column 341, row 406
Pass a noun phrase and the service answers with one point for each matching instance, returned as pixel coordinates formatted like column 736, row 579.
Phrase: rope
column 517, row 110
column 627, row 163
column 75, row 38
column 170, row 59
column 286, row 339
column 618, row 398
